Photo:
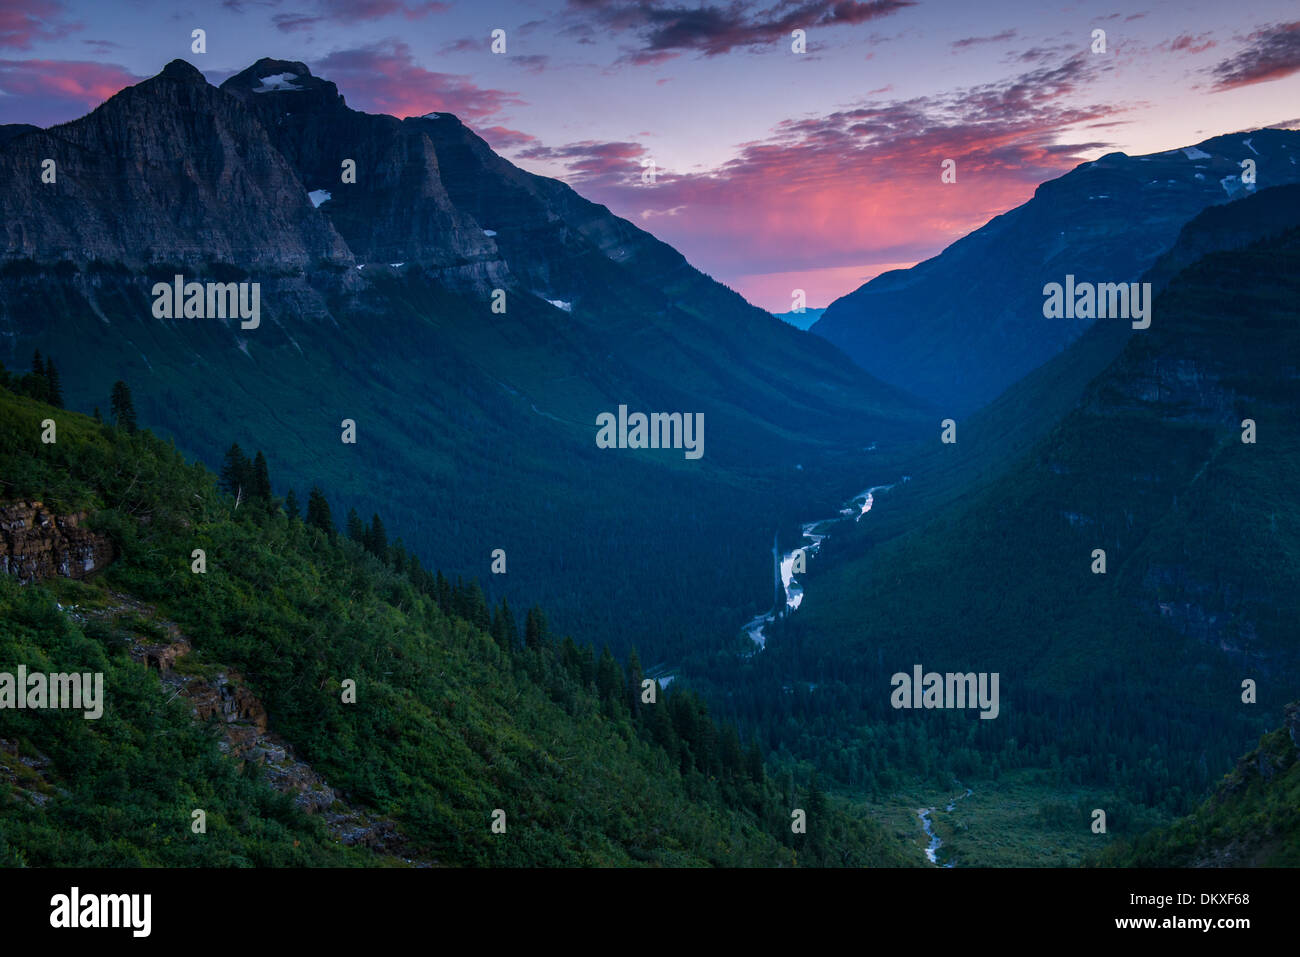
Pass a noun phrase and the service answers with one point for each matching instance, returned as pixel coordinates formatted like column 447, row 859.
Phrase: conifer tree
column 377, row 539
column 53, row 389
column 122, row 408
column 318, row 511
column 261, row 478
column 355, row 528
column 291, row 504
column 236, row 472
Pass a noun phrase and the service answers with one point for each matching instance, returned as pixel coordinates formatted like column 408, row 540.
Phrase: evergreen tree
column 318, row 511
column 53, row 390
column 356, row 529
column 535, row 628
column 38, row 364
column 236, row 472
column 509, row 628
column 122, row 408
column 377, row 541
column 291, row 504
column 261, row 478
column 609, row 681
column 99, row 419
column 634, row 678
column 475, row 605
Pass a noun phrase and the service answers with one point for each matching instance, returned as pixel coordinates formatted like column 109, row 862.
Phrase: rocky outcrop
column 36, row 544
column 224, row 696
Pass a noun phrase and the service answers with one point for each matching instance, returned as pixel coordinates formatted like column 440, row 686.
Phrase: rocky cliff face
column 36, row 544
column 961, row 327
column 171, row 170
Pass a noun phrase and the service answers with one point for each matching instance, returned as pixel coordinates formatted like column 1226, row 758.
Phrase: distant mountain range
column 958, row 329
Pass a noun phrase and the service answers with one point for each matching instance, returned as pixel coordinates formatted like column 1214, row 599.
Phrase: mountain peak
column 269, row 75
column 183, row 72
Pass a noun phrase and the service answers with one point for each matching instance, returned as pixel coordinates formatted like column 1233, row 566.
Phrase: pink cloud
column 45, row 92
column 835, row 194
column 384, row 78
column 1272, row 53
column 24, row 22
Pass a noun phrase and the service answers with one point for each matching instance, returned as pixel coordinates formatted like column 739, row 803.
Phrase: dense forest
column 461, row 709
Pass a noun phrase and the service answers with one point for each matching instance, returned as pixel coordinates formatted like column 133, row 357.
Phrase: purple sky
column 775, row 170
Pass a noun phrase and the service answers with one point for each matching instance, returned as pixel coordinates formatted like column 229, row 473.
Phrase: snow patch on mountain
column 276, row 82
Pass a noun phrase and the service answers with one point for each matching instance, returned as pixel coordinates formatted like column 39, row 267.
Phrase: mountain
column 1131, row 678
column 958, row 329
column 476, row 428
column 302, row 701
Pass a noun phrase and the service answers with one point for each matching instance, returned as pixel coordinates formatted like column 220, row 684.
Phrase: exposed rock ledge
column 36, row 544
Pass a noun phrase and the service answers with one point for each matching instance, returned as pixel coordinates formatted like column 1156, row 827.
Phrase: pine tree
column 261, row 478
column 291, row 504
column 122, row 408
column 534, row 628
column 377, row 539
column 356, row 529
column 38, row 364
column 99, row 419
column 318, row 511
column 53, row 390
column 237, row 473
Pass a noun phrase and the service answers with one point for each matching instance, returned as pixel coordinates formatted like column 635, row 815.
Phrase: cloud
column 1272, row 53
column 836, row 192
column 45, row 92
column 345, row 12
column 533, row 62
column 590, row 162
column 24, row 22
column 289, row 22
column 665, row 28
column 1186, row 43
column 974, row 41
column 384, row 77
column 501, row 138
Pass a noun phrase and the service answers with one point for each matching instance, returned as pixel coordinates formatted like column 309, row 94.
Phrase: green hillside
column 456, row 713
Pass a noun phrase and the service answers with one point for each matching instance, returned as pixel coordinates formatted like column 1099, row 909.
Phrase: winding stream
column 783, row 565
column 928, row 826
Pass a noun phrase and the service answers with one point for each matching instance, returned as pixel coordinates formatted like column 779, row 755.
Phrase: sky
column 774, row 168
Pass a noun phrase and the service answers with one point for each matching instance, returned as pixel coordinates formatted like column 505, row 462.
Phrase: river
column 927, row 825
column 814, row 533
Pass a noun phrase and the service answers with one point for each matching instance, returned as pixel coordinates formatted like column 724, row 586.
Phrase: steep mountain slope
column 1132, row 677
column 997, row 435
column 1251, row 820
column 475, row 428
column 227, row 691
column 958, row 329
